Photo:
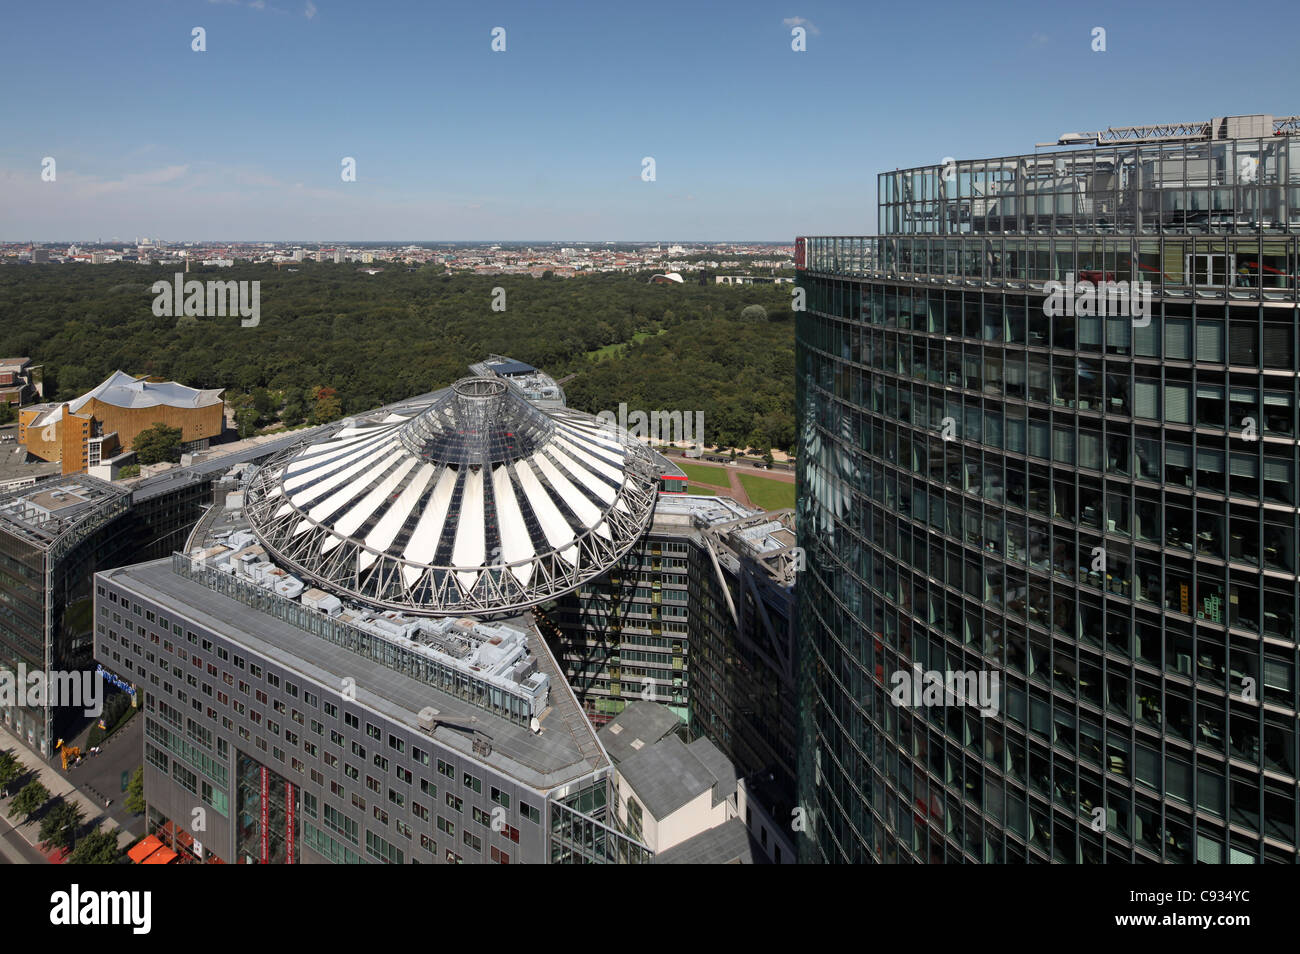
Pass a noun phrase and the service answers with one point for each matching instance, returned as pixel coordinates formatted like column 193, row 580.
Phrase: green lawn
column 704, row 491
column 767, row 493
column 703, row 472
column 610, row 350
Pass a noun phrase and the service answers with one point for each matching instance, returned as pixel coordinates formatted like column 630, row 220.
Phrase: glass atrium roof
column 479, row 504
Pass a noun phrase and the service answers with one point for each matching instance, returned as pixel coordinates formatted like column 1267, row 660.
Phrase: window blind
column 1178, row 338
column 1089, row 450
column 1245, row 465
column 1146, row 399
column 1176, row 403
column 1209, row 341
column 1210, row 461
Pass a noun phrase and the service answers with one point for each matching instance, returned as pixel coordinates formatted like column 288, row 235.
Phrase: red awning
column 163, row 856
column 143, row 850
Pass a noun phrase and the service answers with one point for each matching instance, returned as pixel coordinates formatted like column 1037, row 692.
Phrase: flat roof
column 565, row 750
column 46, row 510
column 14, row 464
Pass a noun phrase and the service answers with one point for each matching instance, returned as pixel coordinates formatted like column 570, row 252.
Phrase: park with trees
column 334, row 340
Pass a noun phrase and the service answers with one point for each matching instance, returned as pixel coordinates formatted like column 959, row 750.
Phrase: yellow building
column 105, row 421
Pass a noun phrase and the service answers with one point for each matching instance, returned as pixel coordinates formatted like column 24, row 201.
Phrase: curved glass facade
column 1097, row 510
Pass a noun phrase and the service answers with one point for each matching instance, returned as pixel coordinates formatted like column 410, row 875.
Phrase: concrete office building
column 682, row 798
column 53, row 536
column 310, row 738
column 699, row 616
column 999, row 475
column 347, row 582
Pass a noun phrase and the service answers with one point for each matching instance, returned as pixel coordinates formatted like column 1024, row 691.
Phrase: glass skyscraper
column 1048, row 432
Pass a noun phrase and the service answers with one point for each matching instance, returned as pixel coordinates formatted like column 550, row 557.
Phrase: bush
column 135, row 792
column 116, row 711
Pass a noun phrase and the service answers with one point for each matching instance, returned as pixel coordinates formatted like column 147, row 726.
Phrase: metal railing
column 1248, row 267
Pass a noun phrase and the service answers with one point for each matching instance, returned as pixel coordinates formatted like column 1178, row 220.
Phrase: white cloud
column 310, row 10
column 800, row 21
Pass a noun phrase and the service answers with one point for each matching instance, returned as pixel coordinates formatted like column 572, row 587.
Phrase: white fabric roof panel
column 422, row 496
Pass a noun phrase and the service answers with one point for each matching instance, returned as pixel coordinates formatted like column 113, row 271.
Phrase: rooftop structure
column 479, row 504
column 683, row 799
column 58, row 510
column 537, row 386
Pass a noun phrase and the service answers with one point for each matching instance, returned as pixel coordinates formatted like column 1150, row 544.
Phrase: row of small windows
column 1238, row 335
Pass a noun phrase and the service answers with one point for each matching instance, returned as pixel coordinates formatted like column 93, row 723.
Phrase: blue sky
column 751, row 140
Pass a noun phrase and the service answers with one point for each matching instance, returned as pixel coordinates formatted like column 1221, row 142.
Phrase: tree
column 10, row 770
column 97, row 847
column 263, row 403
column 60, row 824
column 28, row 801
column 135, row 792
column 246, row 421
column 327, row 408
column 7, row 414
column 158, row 443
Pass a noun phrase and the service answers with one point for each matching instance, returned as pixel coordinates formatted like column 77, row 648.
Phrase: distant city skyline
column 548, row 137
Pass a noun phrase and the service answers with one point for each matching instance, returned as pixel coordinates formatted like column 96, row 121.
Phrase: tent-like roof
column 481, row 503
column 122, row 390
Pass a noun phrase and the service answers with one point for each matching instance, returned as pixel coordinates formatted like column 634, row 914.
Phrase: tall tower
column 1048, row 434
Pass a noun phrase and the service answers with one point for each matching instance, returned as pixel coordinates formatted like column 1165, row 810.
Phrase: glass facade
column 46, row 599
column 1100, row 509
column 626, row 635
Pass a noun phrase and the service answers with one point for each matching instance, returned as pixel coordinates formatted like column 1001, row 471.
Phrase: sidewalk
column 53, row 780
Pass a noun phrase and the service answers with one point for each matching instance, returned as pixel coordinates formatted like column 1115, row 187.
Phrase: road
column 14, row 850
column 100, row 776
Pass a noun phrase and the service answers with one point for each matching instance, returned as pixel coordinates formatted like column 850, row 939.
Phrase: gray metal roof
column 718, row 764
column 666, row 776
column 565, row 749
column 122, row 390
column 727, row 844
column 640, row 722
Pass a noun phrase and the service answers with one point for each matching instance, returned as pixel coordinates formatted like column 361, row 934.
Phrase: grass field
column 600, row 354
column 702, row 472
column 766, row 493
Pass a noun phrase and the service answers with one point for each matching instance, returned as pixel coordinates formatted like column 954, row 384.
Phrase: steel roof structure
column 479, row 504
